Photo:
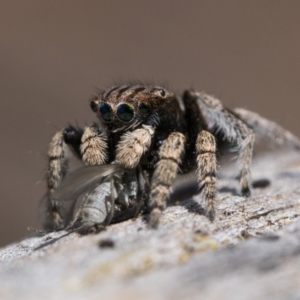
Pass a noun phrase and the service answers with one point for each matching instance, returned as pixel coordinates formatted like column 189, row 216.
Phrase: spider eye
column 106, row 112
column 125, row 112
column 94, row 106
column 162, row 92
column 145, row 108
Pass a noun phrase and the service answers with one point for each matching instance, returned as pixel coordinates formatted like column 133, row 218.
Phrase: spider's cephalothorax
column 137, row 118
column 163, row 133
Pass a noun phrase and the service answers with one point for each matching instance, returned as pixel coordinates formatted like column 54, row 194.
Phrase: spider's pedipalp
column 72, row 137
column 133, row 145
column 207, row 168
column 166, row 169
column 93, row 146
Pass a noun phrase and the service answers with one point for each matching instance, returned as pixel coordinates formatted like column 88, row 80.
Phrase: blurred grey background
column 54, row 54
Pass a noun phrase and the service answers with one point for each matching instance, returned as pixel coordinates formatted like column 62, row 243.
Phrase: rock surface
column 252, row 250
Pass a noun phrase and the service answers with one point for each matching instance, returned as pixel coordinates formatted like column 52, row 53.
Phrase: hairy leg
column 207, row 168
column 58, row 155
column 218, row 120
column 245, row 151
column 170, row 154
column 89, row 145
column 267, row 128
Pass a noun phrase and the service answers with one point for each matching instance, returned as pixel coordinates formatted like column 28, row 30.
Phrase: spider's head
column 129, row 106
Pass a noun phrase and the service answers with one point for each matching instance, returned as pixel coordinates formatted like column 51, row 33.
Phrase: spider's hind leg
column 245, row 151
column 267, row 128
column 227, row 127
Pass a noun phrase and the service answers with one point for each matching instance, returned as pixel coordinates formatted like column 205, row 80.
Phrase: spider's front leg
column 89, row 145
column 166, row 169
column 58, row 161
column 207, row 168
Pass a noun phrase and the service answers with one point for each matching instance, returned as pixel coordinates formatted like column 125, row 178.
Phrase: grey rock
column 252, row 250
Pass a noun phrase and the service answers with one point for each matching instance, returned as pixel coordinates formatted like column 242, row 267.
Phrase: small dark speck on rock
column 270, row 237
column 245, row 234
column 268, row 264
column 107, row 243
column 201, row 232
column 261, row 183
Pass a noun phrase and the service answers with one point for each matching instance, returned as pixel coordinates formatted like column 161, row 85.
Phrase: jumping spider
column 150, row 127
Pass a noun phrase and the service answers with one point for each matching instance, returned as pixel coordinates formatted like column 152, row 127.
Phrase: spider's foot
column 246, row 192
column 211, row 214
column 154, row 218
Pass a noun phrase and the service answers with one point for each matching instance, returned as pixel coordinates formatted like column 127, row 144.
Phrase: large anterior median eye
column 125, row 112
column 106, row 112
column 145, row 108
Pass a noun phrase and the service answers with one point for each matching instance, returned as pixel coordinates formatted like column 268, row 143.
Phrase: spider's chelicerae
column 150, row 127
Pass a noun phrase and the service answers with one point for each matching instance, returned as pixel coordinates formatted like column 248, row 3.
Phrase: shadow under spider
column 193, row 206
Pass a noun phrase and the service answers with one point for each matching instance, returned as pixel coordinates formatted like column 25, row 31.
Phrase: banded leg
column 57, row 168
column 227, row 126
column 245, row 150
column 207, row 168
column 170, row 154
column 58, row 154
column 133, row 145
column 268, row 128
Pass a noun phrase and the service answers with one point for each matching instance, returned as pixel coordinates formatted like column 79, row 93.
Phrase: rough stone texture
column 252, row 250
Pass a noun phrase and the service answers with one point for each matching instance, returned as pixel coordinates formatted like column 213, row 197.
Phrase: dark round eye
column 106, row 112
column 162, row 92
column 94, row 106
column 145, row 108
column 125, row 112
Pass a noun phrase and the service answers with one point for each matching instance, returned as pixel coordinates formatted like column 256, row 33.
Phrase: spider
column 163, row 134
